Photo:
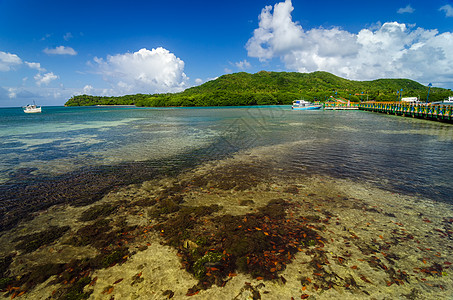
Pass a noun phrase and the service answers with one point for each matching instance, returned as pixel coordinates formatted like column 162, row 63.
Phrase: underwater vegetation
column 79, row 188
column 214, row 248
column 98, row 211
column 106, row 235
column 31, row 242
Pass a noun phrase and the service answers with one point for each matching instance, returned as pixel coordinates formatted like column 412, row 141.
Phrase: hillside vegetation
column 266, row 88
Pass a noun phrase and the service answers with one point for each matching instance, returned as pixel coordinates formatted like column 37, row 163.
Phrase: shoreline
column 117, row 105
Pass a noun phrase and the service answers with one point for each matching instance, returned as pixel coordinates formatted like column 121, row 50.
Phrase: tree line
column 270, row 88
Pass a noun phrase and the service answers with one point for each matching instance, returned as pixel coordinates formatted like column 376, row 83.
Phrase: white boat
column 304, row 105
column 449, row 100
column 31, row 108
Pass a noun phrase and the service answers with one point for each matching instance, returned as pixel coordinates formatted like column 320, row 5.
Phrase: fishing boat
column 304, row 105
column 31, row 108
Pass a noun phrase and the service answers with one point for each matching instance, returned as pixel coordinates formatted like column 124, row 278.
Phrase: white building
column 409, row 99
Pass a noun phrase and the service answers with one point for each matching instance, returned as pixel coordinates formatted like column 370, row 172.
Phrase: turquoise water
column 65, row 139
column 399, row 154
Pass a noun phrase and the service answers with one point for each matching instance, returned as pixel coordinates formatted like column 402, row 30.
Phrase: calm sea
column 84, row 147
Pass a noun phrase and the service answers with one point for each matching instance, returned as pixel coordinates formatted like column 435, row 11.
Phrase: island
column 273, row 88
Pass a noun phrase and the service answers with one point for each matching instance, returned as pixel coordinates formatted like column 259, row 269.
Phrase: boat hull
column 314, row 107
column 32, row 111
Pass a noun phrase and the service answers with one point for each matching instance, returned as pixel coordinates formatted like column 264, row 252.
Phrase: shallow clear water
column 402, row 154
column 347, row 172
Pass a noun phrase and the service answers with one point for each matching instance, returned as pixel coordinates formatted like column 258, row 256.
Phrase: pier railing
column 436, row 112
column 339, row 106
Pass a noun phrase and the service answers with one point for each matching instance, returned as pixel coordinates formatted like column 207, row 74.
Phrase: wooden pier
column 435, row 112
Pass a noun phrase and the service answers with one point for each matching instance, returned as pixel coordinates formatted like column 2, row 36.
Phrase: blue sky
column 51, row 50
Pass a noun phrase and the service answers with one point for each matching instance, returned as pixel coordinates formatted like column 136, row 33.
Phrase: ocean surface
column 400, row 154
column 141, row 203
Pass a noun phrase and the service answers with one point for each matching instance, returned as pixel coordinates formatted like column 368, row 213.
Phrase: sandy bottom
column 375, row 244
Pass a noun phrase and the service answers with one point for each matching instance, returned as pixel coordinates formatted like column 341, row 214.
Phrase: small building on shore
column 410, row 100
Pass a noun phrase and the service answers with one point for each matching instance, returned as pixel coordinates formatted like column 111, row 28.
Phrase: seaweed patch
column 98, row 211
column 31, row 242
column 275, row 233
column 260, row 244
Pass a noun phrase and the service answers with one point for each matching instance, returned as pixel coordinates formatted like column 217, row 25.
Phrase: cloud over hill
column 391, row 49
column 157, row 70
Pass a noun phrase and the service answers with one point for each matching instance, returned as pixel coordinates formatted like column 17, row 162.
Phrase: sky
column 53, row 50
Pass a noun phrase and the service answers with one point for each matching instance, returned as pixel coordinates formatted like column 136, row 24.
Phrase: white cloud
column 60, row 50
column 276, row 30
column 87, row 89
column 198, row 81
column 34, row 65
column 8, row 61
column 7, row 93
column 15, row 96
column 447, row 9
column 213, row 78
column 45, row 79
column 67, row 36
column 48, row 35
column 12, row 93
column 145, row 71
column 244, row 64
column 406, row 10
column 17, row 93
column 390, row 50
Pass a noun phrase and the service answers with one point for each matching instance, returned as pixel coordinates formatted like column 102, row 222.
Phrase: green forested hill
column 273, row 88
